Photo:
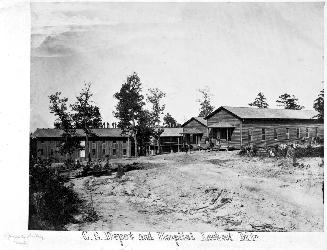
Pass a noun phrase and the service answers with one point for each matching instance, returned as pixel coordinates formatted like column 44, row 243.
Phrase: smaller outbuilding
column 195, row 131
column 171, row 140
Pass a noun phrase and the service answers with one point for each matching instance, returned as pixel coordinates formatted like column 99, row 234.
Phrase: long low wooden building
column 103, row 143
column 234, row 127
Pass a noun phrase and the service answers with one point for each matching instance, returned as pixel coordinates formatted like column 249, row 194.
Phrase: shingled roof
column 56, row 133
column 262, row 113
column 172, row 132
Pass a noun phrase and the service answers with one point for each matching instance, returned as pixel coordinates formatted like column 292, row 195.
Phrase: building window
column 298, row 133
column 41, row 151
column 307, row 134
column 287, row 133
column 316, row 132
column 93, row 151
column 113, row 151
column 51, row 152
column 275, row 134
column 250, row 134
column 124, row 151
column 263, row 134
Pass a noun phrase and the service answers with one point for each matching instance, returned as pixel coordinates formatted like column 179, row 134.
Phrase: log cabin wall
column 314, row 129
column 194, row 124
column 225, row 116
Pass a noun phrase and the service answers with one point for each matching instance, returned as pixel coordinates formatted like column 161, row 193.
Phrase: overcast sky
column 236, row 49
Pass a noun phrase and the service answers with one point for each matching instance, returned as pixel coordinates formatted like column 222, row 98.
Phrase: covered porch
column 192, row 136
column 221, row 133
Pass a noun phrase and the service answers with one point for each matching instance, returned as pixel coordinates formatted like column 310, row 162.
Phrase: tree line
column 288, row 101
column 134, row 119
column 285, row 101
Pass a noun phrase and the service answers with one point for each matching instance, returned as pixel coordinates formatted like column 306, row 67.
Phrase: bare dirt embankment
column 206, row 191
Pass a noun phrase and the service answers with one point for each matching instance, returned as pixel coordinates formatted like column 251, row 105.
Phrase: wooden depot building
column 103, row 143
column 233, row 127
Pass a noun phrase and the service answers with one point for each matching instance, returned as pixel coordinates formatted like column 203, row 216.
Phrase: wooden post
column 128, row 147
column 241, row 128
column 177, row 144
column 227, row 138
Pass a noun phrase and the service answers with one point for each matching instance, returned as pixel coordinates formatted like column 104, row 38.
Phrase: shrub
column 280, row 150
column 309, row 151
column 284, row 150
column 249, row 150
column 51, row 203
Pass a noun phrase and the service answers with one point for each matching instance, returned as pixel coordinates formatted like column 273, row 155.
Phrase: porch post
column 227, row 138
column 177, row 144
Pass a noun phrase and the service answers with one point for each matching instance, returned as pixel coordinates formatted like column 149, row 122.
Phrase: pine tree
column 169, row 121
column 259, row 101
column 318, row 105
column 288, row 102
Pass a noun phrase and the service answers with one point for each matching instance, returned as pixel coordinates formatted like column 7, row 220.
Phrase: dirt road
column 206, row 191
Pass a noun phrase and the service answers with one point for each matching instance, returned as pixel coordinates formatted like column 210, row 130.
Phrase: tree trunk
column 135, row 141
column 87, row 150
column 159, row 148
column 87, row 153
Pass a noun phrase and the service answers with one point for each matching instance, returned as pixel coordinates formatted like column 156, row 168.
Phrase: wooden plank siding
column 118, row 144
column 49, row 146
column 194, row 124
column 280, row 126
column 226, row 116
column 240, row 136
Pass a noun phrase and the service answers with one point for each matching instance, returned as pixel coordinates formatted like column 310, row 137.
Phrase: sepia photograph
column 176, row 117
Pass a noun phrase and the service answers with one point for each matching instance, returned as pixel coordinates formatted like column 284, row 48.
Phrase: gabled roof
column 171, row 132
column 56, row 133
column 201, row 120
column 262, row 113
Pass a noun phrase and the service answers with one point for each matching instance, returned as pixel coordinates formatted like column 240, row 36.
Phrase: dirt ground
column 206, row 191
